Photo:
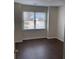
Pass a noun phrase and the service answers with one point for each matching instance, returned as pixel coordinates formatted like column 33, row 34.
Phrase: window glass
column 40, row 20
column 34, row 20
column 28, row 20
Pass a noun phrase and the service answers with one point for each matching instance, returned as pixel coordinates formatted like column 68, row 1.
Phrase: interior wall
column 52, row 22
column 20, row 34
column 61, row 23
column 32, row 34
column 55, row 23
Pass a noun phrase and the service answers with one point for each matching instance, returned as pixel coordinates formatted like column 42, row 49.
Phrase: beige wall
column 61, row 23
column 52, row 22
column 18, row 21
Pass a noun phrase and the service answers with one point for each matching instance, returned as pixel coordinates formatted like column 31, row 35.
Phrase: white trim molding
column 57, row 38
column 18, row 41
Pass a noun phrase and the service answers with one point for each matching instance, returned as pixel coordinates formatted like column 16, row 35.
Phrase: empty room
column 39, row 29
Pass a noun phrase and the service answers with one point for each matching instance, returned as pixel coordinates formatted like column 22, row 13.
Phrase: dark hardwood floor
column 40, row 49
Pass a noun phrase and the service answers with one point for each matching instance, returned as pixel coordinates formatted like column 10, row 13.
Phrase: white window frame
column 34, row 21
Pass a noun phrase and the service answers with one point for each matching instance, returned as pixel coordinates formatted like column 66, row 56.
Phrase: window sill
column 34, row 29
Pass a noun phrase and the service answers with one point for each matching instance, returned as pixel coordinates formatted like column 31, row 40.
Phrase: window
column 34, row 20
column 28, row 20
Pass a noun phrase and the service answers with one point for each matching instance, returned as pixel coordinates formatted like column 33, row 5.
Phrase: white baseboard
column 40, row 37
column 18, row 41
column 61, row 39
column 33, row 38
column 57, row 38
column 51, row 37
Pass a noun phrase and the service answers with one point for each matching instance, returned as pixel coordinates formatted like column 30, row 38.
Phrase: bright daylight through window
column 34, row 20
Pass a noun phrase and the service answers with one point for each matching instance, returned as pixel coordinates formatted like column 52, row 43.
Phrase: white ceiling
column 42, row 2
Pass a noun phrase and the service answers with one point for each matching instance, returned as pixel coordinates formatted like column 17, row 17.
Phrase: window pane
column 40, row 16
column 28, row 15
column 40, row 24
column 40, row 20
column 28, row 18
column 29, row 24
